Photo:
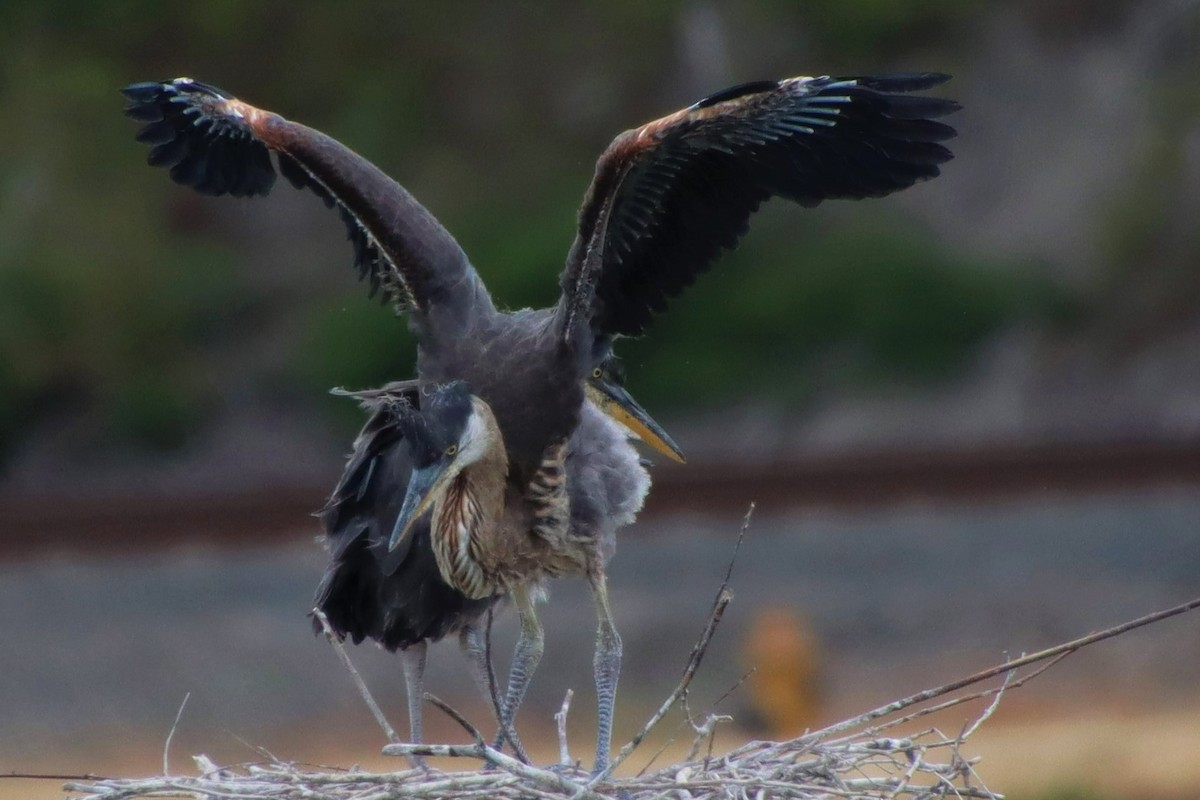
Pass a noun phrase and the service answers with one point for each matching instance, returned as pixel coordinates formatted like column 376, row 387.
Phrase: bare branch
column 991, row 672
column 560, row 723
column 738, row 544
column 540, row 777
column 966, row 698
column 171, row 735
column 705, row 732
column 49, row 776
column 991, row 708
column 675, row 732
column 453, row 714
column 338, row 648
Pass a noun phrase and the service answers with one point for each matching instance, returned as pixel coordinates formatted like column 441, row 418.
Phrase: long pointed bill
column 617, row 403
column 423, row 488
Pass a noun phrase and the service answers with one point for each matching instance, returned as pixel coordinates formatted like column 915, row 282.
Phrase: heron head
column 451, row 430
column 606, row 389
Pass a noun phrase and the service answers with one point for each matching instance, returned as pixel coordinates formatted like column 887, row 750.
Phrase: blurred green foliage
column 1149, row 281
column 810, row 303
column 870, row 29
column 131, row 310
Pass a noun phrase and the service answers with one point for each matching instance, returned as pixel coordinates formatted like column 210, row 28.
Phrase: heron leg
column 412, row 659
column 525, row 661
column 474, row 642
column 607, row 666
column 474, row 647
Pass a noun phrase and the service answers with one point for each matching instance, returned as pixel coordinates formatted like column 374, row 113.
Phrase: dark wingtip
column 185, row 124
column 903, row 81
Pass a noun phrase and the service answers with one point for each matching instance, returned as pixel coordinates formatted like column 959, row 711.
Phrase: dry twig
column 560, row 723
column 171, row 735
column 1061, row 650
column 340, row 649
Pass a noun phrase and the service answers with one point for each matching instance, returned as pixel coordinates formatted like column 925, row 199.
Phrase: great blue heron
column 665, row 200
column 398, row 597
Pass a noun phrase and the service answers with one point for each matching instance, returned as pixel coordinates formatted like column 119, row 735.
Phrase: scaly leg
column 474, row 647
column 607, row 666
column 473, row 641
column 412, row 659
column 525, row 661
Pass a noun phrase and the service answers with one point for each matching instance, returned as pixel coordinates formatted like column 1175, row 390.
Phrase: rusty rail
column 33, row 525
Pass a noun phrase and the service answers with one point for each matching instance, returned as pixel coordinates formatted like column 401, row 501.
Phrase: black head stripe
column 421, row 442
column 612, row 369
column 445, row 412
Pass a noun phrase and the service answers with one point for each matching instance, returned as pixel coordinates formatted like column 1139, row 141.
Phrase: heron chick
column 398, row 596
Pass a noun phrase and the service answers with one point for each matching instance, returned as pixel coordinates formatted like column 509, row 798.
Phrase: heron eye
column 452, row 449
column 597, row 372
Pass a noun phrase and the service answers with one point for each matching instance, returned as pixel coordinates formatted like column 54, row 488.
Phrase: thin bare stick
column 905, row 779
column 171, row 735
column 958, row 701
column 338, row 648
column 560, row 722
column 41, row 776
column 991, row 709
column 737, row 685
column 454, row 714
column 705, row 731
column 257, row 748
column 738, row 544
column 674, row 735
column 543, row 777
column 991, row 672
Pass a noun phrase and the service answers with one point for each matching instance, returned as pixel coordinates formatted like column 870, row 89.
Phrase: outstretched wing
column 669, row 196
column 219, row 145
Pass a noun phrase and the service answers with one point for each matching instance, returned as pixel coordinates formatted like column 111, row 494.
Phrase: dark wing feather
column 219, row 145
column 396, row 598
column 670, row 196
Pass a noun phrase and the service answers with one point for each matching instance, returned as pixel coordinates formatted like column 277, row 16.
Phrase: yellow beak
column 617, row 403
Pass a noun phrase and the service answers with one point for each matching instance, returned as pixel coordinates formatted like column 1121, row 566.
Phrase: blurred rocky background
column 1029, row 320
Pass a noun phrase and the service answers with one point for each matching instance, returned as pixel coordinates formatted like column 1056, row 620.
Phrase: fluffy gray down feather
column 605, row 478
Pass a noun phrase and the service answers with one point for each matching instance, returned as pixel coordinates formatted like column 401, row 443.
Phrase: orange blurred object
column 785, row 654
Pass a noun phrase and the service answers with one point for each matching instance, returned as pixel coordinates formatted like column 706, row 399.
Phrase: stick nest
column 925, row 765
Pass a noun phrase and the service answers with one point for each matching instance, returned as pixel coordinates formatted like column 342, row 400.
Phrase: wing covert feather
column 676, row 192
column 218, row 145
